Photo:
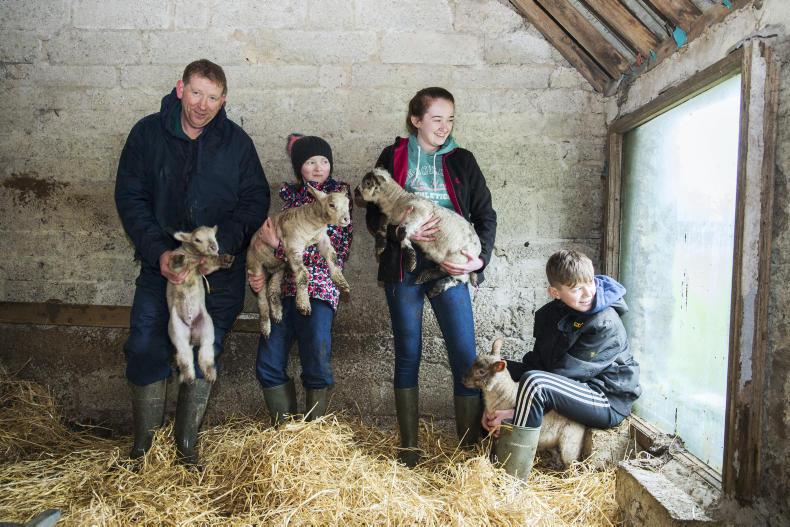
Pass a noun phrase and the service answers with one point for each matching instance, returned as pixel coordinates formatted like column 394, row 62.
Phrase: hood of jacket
column 608, row 293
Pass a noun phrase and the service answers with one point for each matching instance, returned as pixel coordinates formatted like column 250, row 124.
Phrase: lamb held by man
column 298, row 228
column 190, row 323
column 560, row 436
column 455, row 239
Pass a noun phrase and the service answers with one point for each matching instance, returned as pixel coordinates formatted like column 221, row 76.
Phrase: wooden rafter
column 588, row 36
column 624, row 24
column 680, row 13
column 567, row 47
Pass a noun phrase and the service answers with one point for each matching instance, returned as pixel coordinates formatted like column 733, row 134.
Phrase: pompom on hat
column 303, row 147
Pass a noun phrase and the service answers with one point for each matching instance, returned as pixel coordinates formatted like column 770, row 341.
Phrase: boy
column 581, row 365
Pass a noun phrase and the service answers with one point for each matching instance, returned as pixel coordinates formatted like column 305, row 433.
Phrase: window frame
column 743, row 430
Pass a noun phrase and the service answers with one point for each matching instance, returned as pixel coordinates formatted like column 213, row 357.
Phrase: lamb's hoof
column 410, row 457
column 210, row 374
column 186, row 378
column 304, row 310
column 266, row 328
column 345, row 294
column 226, row 260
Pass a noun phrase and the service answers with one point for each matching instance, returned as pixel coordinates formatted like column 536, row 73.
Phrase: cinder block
column 650, row 499
column 518, row 48
column 44, row 17
column 258, row 14
column 415, row 15
column 95, row 47
column 488, row 17
column 446, row 48
column 321, row 47
column 606, row 448
column 18, row 46
column 331, row 14
column 120, row 14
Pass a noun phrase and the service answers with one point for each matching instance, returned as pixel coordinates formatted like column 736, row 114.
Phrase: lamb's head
column 334, row 205
column 202, row 240
column 370, row 189
column 486, row 367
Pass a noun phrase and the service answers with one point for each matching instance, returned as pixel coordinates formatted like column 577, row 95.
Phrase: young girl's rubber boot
column 148, row 413
column 515, row 449
column 408, row 422
column 280, row 401
column 192, row 402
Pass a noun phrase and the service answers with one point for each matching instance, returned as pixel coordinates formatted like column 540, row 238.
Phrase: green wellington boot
column 468, row 413
column 315, row 404
column 408, row 423
column 515, row 449
column 192, row 401
column 148, row 413
column 280, row 401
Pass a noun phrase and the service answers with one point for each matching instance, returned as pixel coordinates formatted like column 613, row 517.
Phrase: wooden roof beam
column 588, row 36
column 563, row 43
column 680, row 13
column 624, row 24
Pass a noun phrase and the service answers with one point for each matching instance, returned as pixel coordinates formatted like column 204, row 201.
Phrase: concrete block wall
column 771, row 17
column 77, row 74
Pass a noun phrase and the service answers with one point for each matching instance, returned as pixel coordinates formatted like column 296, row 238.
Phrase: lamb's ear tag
column 500, row 365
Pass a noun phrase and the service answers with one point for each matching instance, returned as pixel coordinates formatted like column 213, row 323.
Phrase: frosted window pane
column 677, row 225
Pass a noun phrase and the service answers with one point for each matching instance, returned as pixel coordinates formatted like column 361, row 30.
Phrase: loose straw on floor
column 333, row 471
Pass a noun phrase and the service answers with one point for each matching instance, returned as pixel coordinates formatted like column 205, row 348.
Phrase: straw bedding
column 333, row 471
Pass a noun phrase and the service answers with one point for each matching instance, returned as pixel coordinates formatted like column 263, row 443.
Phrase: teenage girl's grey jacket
column 167, row 182
column 468, row 192
column 589, row 347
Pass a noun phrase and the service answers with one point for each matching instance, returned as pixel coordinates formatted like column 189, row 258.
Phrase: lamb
column 558, row 434
column 409, row 212
column 190, row 323
column 298, row 228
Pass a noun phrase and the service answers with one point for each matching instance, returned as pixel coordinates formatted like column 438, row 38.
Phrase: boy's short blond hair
column 568, row 267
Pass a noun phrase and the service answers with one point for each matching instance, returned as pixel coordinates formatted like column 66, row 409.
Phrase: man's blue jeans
column 314, row 333
column 453, row 310
column 149, row 352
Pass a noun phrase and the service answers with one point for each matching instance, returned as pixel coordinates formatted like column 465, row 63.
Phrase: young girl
column 311, row 158
column 431, row 164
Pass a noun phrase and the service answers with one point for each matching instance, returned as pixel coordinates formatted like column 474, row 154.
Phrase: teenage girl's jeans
column 314, row 333
column 453, row 310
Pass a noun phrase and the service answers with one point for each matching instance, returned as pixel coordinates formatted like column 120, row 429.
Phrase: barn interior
column 652, row 135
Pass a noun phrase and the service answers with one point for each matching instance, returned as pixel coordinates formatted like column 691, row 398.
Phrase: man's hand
column 473, row 263
column 268, row 234
column 164, row 268
column 256, row 282
column 492, row 421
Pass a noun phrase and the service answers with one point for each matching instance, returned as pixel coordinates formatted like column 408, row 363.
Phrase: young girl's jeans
column 314, row 335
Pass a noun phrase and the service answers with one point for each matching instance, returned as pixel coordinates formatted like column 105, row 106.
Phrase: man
column 187, row 165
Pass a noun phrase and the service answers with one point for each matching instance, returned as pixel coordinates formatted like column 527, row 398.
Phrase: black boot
column 406, row 407
column 280, row 401
column 192, row 401
column 468, row 414
column 148, row 413
column 315, row 404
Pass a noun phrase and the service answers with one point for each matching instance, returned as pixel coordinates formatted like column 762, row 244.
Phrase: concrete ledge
column 648, row 498
column 606, row 448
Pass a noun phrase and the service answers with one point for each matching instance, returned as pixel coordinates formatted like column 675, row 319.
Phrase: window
column 687, row 230
column 677, row 224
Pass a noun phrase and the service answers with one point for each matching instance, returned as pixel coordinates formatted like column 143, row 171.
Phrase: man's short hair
column 207, row 69
column 568, row 267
